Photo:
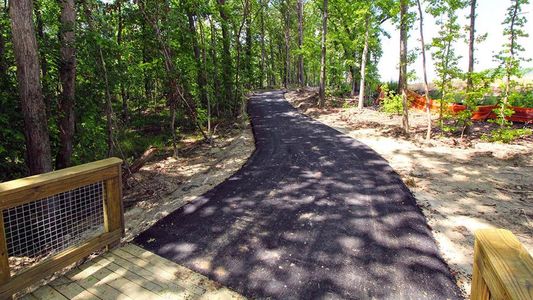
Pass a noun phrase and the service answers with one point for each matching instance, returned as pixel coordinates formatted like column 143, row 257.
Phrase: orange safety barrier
column 481, row 113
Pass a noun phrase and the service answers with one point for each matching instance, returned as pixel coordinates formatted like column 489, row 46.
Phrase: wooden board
column 21, row 191
column 503, row 264
column 132, row 273
column 55, row 263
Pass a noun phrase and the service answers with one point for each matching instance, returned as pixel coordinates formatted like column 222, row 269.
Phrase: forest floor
column 165, row 184
column 461, row 186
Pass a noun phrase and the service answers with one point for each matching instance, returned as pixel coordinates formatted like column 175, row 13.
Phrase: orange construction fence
column 481, row 113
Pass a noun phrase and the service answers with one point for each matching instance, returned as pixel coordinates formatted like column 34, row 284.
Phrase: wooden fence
column 503, row 269
column 78, row 211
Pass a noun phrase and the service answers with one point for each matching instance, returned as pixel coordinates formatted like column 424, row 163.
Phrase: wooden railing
column 503, row 269
column 74, row 200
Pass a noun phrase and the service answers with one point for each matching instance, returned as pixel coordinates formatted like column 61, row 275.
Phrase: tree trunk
column 471, row 46
column 42, row 53
column 510, row 61
column 67, row 75
column 426, row 85
column 216, row 82
column 263, row 48
column 272, row 74
column 248, row 49
column 38, row 153
column 237, row 82
column 363, row 64
column 3, row 64
column 322, row 87
column 402, row 82
column 300, row 42
column 201, row 76
column 123, row 92
column 204, row 71
column 287, row 45
column 226, row 56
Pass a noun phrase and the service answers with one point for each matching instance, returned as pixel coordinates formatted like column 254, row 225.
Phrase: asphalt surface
column 314, row 214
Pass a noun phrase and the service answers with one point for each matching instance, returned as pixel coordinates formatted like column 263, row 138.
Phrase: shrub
column 506, row 135
column 392, row 103
column 521, row 99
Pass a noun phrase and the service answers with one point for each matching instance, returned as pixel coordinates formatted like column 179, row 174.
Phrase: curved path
column 313, row 214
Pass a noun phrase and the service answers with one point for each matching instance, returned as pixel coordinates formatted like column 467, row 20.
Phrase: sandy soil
column 460, row 186
column 165, row 184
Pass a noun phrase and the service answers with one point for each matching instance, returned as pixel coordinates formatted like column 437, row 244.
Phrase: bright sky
column 491, row 14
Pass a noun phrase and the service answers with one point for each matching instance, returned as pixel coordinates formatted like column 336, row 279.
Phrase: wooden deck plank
column 187, row 275
column 168, row 283
column 121, row 284
column 164, row 290
column 48, row 293
column 94, row 285
column 71, row 289
column 28, row 297
column 132, row 273
column 188, row 278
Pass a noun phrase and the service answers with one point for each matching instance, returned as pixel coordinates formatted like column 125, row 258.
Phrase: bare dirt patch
column 460, row 185
column 165, row 184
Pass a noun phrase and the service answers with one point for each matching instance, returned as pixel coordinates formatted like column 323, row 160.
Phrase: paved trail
column 313, row 214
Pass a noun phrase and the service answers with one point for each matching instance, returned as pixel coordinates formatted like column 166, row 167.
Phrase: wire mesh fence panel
column 48, row 226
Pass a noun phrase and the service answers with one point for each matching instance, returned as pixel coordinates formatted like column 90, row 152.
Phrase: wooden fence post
column 113, row 207
column 479, row 289
column 503, row 269
column 5, row 272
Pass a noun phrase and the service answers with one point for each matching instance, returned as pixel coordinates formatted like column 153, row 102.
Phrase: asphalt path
column 314, row 214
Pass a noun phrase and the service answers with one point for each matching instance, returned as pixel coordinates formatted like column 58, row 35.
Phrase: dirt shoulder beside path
column 166, row 184
column 459, row 188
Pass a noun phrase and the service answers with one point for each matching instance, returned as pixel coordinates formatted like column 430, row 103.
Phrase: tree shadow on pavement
column 313, row 214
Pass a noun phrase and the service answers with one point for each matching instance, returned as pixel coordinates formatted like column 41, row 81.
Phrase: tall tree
column 123, row 79
column 263, row 45
column 226, row 56
column 3, row 64
column 402, row 82
column 201, row 77
column 509, row 56
column 424, row 69
column 445, row 58
column 38, row 153
column 322, row 87
column 287, row 31
column 471, row 44
column 42, row 40
column 363, row 61
column 108, row 104
column 300, row 8
column 67, row 75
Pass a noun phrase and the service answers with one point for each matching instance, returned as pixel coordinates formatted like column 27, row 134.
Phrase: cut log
column 138, row 163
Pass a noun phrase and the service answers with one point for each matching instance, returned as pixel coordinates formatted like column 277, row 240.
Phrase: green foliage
column 503, row 111
column 522, row 98
column 507, row 135
column 444, row 55
column 392, row 102
column 510, row 57
column 392, row 85
column 218, row 53
column 481, row 86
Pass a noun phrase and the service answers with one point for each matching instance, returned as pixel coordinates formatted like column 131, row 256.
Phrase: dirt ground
column 461, row 186
column 164, row 184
